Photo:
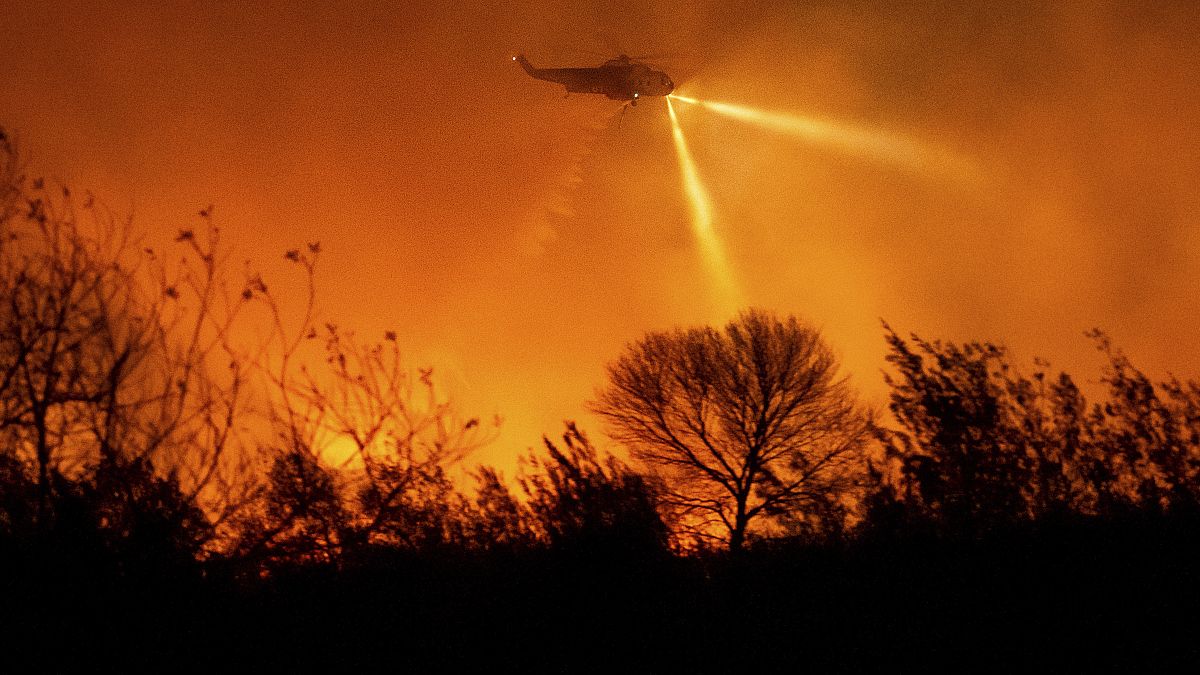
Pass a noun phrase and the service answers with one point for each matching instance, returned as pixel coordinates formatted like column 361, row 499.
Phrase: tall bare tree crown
column 744, row 424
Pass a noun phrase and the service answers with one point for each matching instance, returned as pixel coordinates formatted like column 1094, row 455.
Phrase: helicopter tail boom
column 574, row 79
column 520, row 58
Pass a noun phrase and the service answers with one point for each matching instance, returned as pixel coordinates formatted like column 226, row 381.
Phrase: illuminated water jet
column 888, row 147
column 702, row 217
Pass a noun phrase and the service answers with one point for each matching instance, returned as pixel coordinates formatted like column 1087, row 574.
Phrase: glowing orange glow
column 881, row 146
column 702, row 218
column 515, row 239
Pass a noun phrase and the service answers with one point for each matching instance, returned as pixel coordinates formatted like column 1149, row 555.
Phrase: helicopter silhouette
column 621, row 79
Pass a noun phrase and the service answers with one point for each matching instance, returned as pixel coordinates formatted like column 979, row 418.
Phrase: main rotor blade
column 658, row 56
column 590, row 52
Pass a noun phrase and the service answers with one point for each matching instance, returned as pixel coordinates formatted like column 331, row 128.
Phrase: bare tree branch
column 743, row 424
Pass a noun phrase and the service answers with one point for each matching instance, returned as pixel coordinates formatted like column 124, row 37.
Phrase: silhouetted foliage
column 392, row 490
column 299, row 518
column 497, row 519
column 118, row 520
column 958, row 427
column 410, row 507
column 578, row 500
column 104, row 378
column 982, row 446
column 749, row 424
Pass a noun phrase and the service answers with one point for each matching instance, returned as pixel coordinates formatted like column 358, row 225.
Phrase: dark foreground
column 1076, row 595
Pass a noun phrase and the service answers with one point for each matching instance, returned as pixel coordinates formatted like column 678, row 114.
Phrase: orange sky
column 516, row 239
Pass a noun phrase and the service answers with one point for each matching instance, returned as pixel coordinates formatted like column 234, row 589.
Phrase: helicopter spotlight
column 621, row 79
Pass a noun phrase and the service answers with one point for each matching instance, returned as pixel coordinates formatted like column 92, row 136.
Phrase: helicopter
column 621, row 79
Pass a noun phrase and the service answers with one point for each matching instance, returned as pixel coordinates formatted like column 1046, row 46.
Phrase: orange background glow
column 516, row 240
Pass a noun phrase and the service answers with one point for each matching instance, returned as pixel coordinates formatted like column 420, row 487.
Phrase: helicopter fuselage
column 620, row 79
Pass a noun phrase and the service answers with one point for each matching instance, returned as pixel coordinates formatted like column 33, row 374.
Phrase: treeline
column 978, row 446
column 169, row 490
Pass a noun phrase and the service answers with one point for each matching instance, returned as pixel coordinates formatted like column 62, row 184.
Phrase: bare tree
column 120, row 362
column 405, row 437
column 363, row 443
column 746, row 426
column 109, row 358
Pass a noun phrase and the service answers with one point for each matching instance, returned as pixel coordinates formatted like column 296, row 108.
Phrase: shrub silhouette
column 981, row 446
column 580, row 501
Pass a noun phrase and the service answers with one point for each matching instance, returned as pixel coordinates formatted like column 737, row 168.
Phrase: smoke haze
column 517, row 240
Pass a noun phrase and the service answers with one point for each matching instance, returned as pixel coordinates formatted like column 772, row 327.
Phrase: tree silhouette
column 110, row 361
column 956, row 417
column 579, row 500
column 747, row 424
column 981, row 445
column 1145, row 438
column 404, row 434
column 497, row 520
